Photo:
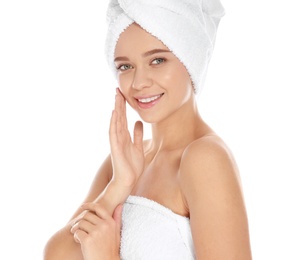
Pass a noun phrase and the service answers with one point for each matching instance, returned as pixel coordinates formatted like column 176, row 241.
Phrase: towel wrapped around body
column 151, row 231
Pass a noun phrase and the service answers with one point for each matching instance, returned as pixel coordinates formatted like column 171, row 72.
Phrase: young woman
column 178, row 195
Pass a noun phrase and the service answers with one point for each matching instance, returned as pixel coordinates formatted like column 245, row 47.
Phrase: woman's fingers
column 138, row 135
column 84, row 225
column 118, row 123
column 120, row 107
column 94, row 216
column 113, row 128
column 126, row 152
column 85, row 214
column 117, row 216
column 96, row 208
column 102, row 240
column 92, row 213
column 97, row 223
column 79, row 236
column 82, row 228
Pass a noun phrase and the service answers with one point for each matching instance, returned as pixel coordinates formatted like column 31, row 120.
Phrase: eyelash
column 119, row 67
column 163, row 60
column 155, row 59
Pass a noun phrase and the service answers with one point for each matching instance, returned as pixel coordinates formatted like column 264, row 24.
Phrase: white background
column 56, row 97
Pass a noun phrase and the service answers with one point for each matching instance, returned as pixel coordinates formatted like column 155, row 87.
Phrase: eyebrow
column 154, row 51
column 146, row 54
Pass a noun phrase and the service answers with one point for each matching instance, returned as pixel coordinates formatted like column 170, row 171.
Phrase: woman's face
column 152, row 79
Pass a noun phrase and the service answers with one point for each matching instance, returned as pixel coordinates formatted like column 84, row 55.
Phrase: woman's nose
column 142, row 79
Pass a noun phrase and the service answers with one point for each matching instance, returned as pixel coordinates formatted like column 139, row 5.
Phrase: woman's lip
column 147, row 102
column 149, row 96
column 149, row 99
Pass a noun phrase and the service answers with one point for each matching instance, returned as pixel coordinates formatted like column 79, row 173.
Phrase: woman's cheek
column 124, row 82
column 164, row 75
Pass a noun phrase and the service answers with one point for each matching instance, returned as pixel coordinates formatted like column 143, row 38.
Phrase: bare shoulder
column 211, row 189
column 208, row 155
column 208, row 167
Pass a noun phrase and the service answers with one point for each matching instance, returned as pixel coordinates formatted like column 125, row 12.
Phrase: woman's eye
column 158, row 61
column 124, row 67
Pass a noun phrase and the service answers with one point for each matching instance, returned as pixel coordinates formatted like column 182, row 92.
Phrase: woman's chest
column 160, row 182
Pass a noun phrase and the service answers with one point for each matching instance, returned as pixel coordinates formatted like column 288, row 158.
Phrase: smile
column 148, row 102
column 150, row 99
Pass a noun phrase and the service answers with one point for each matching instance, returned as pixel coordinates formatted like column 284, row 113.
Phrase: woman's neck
column 179, row 129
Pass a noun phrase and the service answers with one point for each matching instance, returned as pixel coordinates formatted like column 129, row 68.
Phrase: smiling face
column 152, row 79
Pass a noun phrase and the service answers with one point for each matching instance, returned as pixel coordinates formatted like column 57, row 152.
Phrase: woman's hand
column 98, row 232
column 127, row 155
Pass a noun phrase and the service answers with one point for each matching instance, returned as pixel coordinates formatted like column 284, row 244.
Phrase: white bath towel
column 151, row 231
column 187, row 27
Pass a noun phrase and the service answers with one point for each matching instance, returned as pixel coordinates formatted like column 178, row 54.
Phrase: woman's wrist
column 113, row 195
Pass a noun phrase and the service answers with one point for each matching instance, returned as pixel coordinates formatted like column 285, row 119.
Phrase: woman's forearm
column 63, row 246
column 113, row 195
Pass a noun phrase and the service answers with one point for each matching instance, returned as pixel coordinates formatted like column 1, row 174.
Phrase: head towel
column 187, row 27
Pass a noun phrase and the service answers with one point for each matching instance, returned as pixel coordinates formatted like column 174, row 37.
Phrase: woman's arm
column 111, row 187
column 62, row 245
column 211, row 188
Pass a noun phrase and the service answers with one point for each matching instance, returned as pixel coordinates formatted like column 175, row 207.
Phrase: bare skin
column 185, row 166
column 80, row 239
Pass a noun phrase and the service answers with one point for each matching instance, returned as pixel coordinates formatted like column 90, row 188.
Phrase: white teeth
column 147, row 100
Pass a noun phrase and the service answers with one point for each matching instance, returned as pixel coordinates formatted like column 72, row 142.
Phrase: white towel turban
column 187, row 27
